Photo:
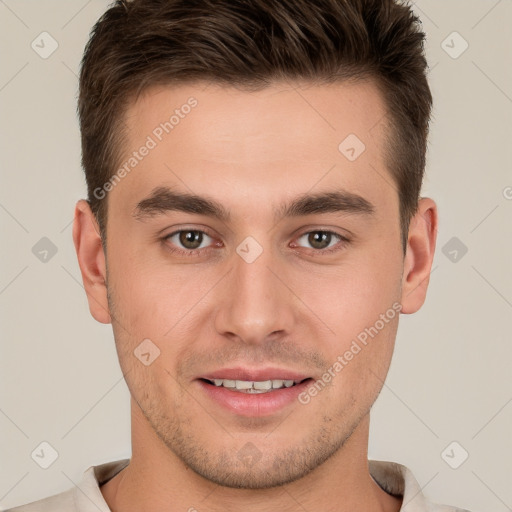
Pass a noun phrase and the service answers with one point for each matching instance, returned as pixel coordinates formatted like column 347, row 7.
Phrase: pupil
column 191, row 239
column 319, row 239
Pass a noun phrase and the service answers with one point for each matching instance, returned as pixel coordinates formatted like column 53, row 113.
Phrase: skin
column 294, row 307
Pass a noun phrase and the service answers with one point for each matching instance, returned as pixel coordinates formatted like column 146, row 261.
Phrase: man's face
column 263, row 293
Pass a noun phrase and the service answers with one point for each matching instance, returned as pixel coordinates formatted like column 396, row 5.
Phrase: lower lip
column 257, row 404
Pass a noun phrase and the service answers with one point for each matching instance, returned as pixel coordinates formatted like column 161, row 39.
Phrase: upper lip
column 253, row 374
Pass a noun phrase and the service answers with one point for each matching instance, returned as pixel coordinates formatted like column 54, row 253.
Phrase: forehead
column 233, row 143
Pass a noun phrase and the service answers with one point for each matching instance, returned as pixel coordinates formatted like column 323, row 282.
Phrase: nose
column 255, row 302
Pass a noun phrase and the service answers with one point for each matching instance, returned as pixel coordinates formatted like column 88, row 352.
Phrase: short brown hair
column 252, row 43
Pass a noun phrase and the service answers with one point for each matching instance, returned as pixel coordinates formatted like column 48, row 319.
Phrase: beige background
column 451, row 377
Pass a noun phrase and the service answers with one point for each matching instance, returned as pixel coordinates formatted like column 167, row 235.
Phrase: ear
column 91, row 258
column 421, row 245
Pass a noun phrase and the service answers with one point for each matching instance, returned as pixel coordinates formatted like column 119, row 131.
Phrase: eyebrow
column 162, row 200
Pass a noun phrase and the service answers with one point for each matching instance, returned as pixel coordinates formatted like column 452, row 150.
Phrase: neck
column 158, row 481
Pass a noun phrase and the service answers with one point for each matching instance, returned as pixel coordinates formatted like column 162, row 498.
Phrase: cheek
column 158, row 301
column 359, row 302
column 352, row 297
column 358, row 366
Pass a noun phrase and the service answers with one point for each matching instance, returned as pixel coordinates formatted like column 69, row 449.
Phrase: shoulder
column 59, row 502
column 434, row 507
column 84, row 497
column 398, row 480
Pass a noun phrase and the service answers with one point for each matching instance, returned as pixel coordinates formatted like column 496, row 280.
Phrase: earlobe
column 91, row 259
column 421, row 246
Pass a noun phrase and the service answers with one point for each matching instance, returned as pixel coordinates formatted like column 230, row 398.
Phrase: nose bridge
column 256, row 303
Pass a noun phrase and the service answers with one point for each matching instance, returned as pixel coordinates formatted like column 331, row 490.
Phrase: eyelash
column 343, row 241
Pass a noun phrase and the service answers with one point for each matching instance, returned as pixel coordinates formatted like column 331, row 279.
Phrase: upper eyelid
column 205, row 231
column 180, row 230
column 173, row 233
column 339, row 235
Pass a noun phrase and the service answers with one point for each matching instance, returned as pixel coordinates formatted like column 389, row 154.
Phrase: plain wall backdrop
column 450, row 380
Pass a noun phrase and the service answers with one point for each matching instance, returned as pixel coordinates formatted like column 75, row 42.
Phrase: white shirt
column 394, row 478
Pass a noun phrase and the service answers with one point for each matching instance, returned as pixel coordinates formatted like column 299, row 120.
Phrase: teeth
column 265, row 384
column 243, row 384
column 249, row 386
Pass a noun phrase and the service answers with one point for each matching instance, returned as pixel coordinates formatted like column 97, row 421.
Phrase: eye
column 322, row 240
column 189, row 239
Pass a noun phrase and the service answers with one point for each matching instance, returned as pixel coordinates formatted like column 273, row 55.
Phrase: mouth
column 253, row 393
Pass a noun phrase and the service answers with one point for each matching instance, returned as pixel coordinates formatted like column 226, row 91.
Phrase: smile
column 253, row 393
